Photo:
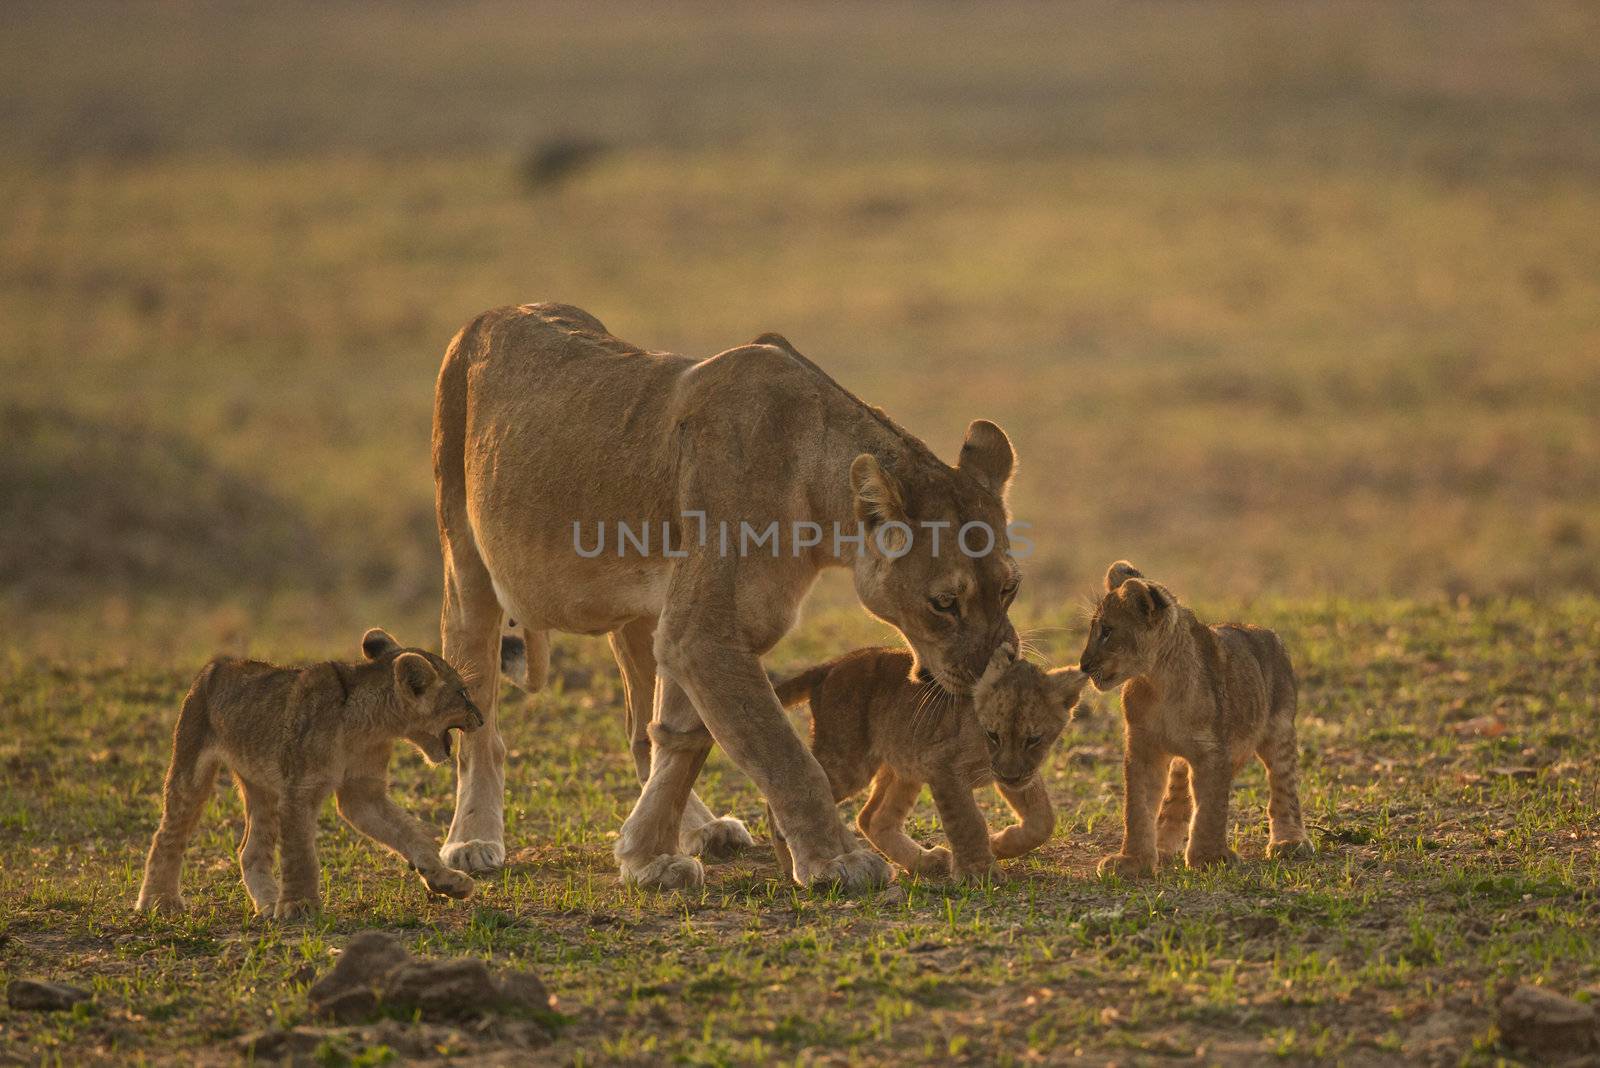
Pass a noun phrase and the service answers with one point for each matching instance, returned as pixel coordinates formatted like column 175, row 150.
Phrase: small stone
column 39, row 995
column 1546, row 1023
column 524, row 990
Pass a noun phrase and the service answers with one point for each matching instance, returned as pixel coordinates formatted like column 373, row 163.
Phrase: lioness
column 1201, row 700
column 870, row 723
column 292, row 736
column 548, row 430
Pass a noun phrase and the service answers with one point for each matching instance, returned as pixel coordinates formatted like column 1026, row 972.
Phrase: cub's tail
column 798, row 689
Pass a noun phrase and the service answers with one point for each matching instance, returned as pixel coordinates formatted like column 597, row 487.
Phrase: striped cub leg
column 1280, row 753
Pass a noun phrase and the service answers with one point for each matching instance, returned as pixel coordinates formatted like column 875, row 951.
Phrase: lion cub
column 1199, row 701
column 870, row 723
column 292, row 736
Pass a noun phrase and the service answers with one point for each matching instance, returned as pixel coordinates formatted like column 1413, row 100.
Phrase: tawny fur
column 292, row 736
column 544, row 420
column 1198, row 702
column 870, row 723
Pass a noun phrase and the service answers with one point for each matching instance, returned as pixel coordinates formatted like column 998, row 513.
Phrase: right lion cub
column 870, row 723
column 1199, row 701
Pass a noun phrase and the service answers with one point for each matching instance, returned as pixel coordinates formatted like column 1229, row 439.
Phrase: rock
column 350, row 990
column 376, row 976
column 443, row 990
column 38, row 995
column 1546, row 1023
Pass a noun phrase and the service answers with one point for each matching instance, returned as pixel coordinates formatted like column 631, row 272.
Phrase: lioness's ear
column 1120, row 572
column 1067, row 685
column 376, row 642
column 777, row 341
column 877, row 494
column 986, row 455
column 413, row 674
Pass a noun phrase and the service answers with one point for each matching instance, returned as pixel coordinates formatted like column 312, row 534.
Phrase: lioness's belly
column 566, row 442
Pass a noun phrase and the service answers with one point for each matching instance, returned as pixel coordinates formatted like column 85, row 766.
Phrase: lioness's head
column 1023, row 710
column 937, row 561
column 431, row 699
column 1122, row 634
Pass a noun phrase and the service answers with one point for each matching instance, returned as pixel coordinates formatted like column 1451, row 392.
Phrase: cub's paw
column 1127, row 866
column 296, row 908
column 978, row 873
column 448, row 883
column 932, row 864
column 475, row 856
column 1210, row 858
column 1300, row 849
column 852, row 872
column 1011, row 843
column 668, row 871
column 165, row 904
column 719, row 839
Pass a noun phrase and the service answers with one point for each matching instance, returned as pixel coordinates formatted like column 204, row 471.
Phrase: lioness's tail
column 798, row 689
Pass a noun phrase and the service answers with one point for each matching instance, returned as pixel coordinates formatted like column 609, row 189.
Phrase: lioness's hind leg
column 471, row 640
column 700, row 833
column 1280, row 753
column 259, row 846
column 1177, row 808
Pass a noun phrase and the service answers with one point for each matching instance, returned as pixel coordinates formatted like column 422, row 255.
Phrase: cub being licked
column 1199, row 701
column 872, row 723
column 292, row 736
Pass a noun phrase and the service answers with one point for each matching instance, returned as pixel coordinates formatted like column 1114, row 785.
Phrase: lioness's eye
column 945, row 602
column 994, row 739
column 1010, row 591
column 1034, row 739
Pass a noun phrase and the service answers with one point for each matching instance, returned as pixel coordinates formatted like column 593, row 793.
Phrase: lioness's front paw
column 296, row 908
column 449, row 883
column 1209, row 858
column 665, row 872
column 166, row 904
column 1299, row 849
column 719, row 839
column 852, row 872
column 475, row 856
column 1127, row 865
column 932, row 864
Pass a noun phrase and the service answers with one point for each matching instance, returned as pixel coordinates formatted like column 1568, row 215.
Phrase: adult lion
column 547, row 430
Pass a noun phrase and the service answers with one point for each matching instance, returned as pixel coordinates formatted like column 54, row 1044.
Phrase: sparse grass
column 1298, row 307
column 1450, row 865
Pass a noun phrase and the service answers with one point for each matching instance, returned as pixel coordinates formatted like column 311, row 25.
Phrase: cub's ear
column 413, row 675
column 1067, row 685
column 987, row 456
column 877, row 492
column 376, row 642
column 1004, row 655
column 1150, row 599
column 1120, row 572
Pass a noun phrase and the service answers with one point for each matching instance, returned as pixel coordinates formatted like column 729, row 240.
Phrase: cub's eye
column 994, row 739
column 1034, row 739
column 945, row 602
column 1105, row 635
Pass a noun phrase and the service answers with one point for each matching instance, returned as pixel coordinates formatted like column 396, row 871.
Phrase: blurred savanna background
column 1297, row 305
column 1279, row 299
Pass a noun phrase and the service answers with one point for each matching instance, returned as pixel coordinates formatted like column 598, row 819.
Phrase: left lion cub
column 290, row 737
